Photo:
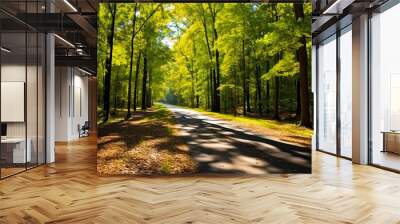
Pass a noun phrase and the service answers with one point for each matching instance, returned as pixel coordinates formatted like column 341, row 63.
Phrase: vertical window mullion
column 26, row 85
column 369, row 73
column 37, row 90
column 0, row 95
column 338, row 74
column 317, row 97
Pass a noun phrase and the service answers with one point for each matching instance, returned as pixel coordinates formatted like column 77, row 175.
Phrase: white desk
column 18, row 149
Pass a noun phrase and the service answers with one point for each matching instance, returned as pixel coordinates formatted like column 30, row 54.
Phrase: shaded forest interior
column 248, row 59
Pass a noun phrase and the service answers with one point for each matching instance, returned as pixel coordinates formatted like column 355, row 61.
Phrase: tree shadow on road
column 142, row 145
column 218, row 149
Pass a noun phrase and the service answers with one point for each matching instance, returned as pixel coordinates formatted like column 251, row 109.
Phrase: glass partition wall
column 334, row 94
column 334, row 86
column 22, row 98
column 385, row 89
column 327, row 95
column 345, row 90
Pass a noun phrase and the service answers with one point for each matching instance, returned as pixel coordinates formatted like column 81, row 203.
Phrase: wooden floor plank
column 69, row 191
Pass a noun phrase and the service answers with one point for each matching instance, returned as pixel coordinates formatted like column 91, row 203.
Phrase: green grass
column 162, row 113
column 120, row 114
column 115, row 116
column 166, row 167
column 266, row 123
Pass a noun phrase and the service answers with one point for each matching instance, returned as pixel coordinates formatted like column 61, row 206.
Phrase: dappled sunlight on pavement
column 220, row 147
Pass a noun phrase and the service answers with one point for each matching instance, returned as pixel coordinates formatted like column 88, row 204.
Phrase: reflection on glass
column 346, row 93
column 327, row 95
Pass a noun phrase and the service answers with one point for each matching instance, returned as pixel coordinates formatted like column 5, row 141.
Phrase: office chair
column 84, row 130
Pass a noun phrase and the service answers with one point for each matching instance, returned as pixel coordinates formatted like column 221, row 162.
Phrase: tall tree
column 128, row 115
column 223, row 57
column 211, row 56
column 144, row 82
column 258, row 89
column 245, row 98
column 216, row 70
column 107, row 79
column 305, row 119
column 135, row 90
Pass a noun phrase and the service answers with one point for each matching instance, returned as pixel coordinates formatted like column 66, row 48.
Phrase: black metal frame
column 338, row 98
column 316, row 97
column 44, row 80
column 369, row 115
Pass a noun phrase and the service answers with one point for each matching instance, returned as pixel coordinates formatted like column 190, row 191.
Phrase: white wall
column 71, row 102
column 62, row 81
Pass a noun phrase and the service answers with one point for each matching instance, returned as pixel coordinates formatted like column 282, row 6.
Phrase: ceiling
column 74, row 22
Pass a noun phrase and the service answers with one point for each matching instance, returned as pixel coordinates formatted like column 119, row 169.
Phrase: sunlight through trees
column 237, row 58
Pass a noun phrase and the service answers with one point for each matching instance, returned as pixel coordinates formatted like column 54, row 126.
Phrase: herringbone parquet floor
column 69, row 191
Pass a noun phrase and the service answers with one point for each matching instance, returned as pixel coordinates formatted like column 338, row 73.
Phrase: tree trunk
column 304, row 91
column 212, row 89
column 258, row 79
column 148, row 99
column 216, row 73
column 192, row 95
column 244, row 79
column 298, row 99
column 210, row 84
column 236, row 94
column 268, row 93
column 115, row 90
column 144, row 82
column 107, row 78
column 208, row 93
column 217, row 83
column 128, row 115
column 248, row 92
column 136, row 81
column 268, row 97
column 276, row 105
column 214, row 81
column 277, row 87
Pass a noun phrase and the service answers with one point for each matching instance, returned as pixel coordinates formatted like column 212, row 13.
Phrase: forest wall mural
column 204, row 88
